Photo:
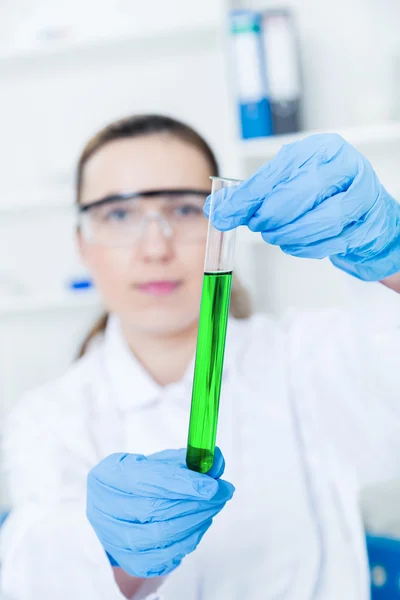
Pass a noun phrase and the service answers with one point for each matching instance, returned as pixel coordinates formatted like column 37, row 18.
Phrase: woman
column 308, row 416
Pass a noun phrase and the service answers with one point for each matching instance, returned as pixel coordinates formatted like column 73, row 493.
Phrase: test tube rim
column 229, row 179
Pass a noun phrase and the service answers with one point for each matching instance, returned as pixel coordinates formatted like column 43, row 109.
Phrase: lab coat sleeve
column 40, row 457
column 343, row 369
column 50, row 551
column 47, row 547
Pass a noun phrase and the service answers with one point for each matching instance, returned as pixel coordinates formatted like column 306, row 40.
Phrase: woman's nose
column 155, row 239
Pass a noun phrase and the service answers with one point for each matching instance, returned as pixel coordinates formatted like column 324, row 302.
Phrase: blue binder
column 250, row 74
column 384, row 562
column 282, row 68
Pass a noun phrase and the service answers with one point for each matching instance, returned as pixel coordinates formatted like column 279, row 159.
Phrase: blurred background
column 250, row 76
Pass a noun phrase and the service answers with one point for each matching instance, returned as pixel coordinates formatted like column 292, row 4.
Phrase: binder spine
column 250, row 75
column 281, row 59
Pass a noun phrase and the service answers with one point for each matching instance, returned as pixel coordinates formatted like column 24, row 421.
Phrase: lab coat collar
column 132, row 385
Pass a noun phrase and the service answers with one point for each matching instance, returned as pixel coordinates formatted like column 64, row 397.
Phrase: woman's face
column 153, row 284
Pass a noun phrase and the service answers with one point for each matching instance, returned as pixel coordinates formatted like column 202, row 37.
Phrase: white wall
column 89, row 89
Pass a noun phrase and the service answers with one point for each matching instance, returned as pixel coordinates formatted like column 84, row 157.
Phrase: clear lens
column 123, row 222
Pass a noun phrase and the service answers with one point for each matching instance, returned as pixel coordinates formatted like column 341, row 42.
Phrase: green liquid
column 214, row 310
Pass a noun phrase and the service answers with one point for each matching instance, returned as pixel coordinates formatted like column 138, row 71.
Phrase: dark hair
column 144, row 125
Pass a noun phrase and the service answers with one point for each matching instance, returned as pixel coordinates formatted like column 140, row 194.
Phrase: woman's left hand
column 319, row 198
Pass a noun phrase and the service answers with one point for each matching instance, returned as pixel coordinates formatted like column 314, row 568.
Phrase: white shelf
column 363, row 138
column 156, row 38
column 62, row 302
column 46, row 202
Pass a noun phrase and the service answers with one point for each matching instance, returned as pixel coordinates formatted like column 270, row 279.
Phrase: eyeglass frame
column 83, row 208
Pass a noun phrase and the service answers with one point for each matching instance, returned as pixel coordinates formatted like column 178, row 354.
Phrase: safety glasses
column 121, row 219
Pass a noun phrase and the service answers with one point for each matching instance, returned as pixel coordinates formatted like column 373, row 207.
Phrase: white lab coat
column 310, row 412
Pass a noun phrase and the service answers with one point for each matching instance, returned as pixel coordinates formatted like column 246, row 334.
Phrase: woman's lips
column 158, row 288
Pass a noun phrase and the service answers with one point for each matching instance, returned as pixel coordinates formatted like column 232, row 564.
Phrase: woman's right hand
column 149, row 512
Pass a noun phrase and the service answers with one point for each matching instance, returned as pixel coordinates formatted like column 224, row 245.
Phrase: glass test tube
column 213, row 320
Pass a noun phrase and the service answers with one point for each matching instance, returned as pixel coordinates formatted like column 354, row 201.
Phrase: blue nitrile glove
column 318, row 198
column 149, row 512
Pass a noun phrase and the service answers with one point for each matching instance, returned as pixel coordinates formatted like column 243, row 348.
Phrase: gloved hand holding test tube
column 213, row 321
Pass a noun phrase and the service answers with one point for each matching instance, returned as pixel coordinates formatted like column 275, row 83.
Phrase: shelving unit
column 13, row 205
column 28, row 304
column 380, row 143
column 363, row 138
column 77, row 47
column 157, row 22
column 375, row 138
